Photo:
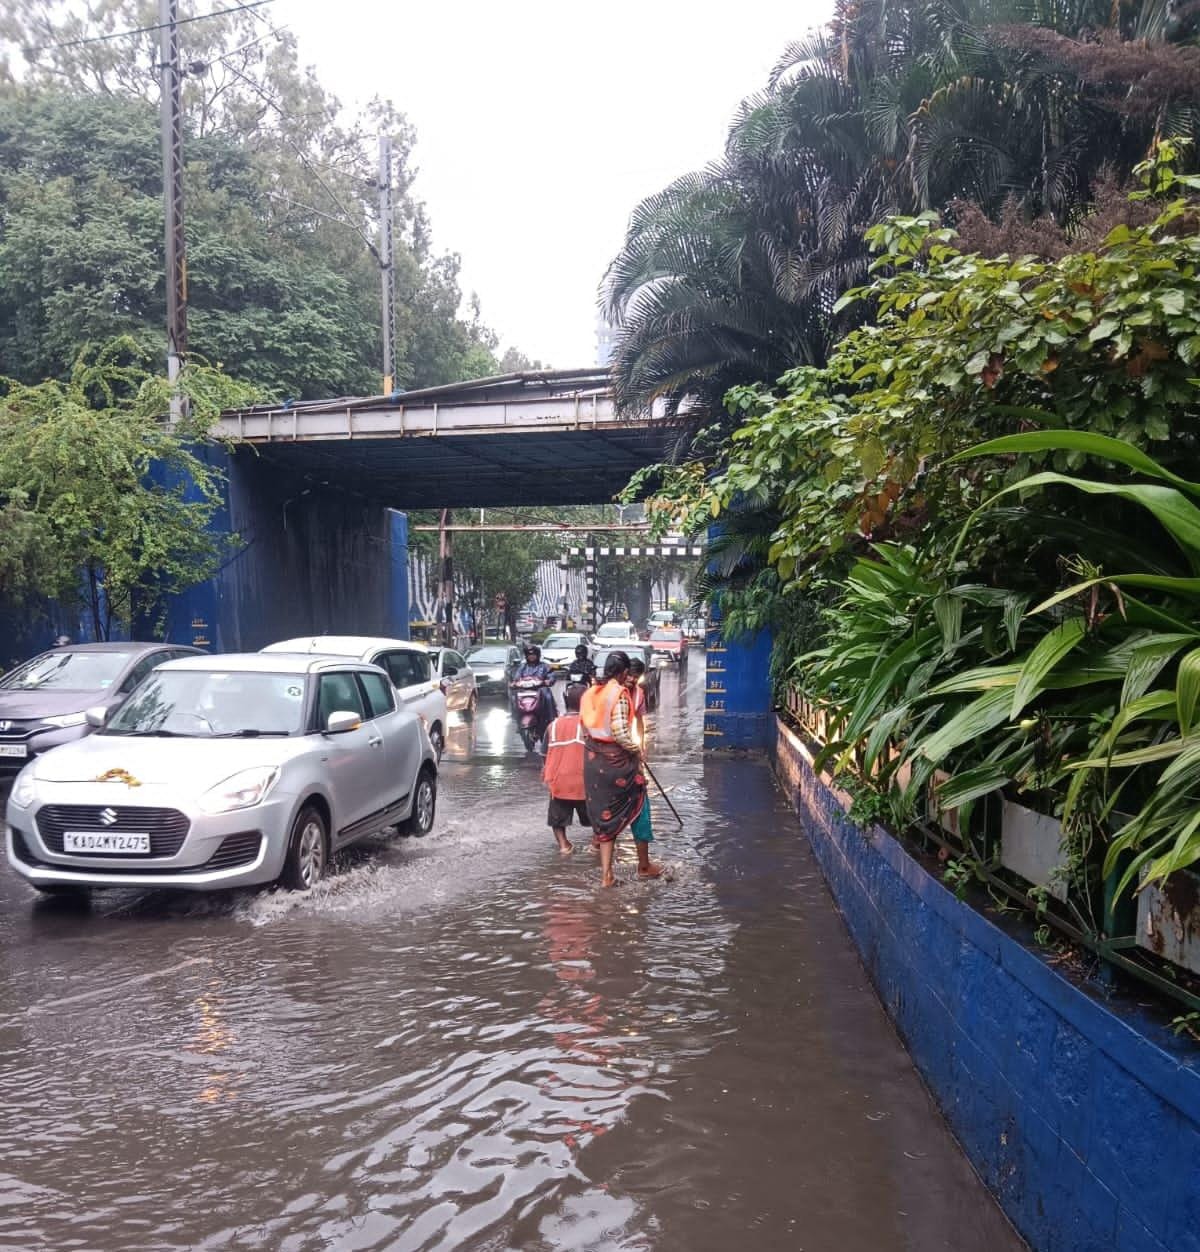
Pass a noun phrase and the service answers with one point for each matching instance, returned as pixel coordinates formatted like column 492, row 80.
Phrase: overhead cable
column 146, row 30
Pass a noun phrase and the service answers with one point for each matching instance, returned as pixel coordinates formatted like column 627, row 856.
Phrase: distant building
column 606, row 342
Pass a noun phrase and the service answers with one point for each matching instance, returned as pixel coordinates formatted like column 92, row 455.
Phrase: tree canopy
column 733, row 274
column 280, row 211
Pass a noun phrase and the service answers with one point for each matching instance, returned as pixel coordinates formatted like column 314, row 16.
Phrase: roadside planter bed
column 1083, row 1121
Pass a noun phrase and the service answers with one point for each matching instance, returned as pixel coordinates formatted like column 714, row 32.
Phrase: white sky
column 541, row 124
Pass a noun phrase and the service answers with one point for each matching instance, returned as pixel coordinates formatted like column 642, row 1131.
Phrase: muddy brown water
column 460, row 1043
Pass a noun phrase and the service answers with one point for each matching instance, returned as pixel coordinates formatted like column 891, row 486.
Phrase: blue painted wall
column 1085, row 1124
column 738, row 695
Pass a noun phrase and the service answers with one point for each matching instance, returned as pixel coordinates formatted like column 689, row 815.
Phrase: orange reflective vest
column 596, row 709
column 563, row 772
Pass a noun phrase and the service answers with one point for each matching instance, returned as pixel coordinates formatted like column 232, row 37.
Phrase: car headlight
column 24, row 789
column 63, row 720
column 240, row 791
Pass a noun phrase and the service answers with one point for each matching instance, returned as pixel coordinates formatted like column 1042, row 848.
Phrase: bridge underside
column 547, row 437
column 588, row 466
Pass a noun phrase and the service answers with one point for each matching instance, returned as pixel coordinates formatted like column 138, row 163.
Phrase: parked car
column 668, row 641
column 409, row 666
column 494, row 665
column 225, row 771
column 457, row 679
column 558, row 650
column 615, row 632
column 650, row 680
column 43, row 701
column 526, row 623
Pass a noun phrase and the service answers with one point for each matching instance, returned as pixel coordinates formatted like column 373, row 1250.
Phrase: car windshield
column 562, row 641
column 673, row 635
column 488, row 656
column 208, row 704
column 613, row 630
column 67, row 671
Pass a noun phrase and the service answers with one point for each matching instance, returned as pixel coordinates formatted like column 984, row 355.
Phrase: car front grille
column 232, row 852
column 167, row 828
column 10, row 730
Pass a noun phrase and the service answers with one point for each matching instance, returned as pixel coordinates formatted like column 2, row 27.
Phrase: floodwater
column 461, row 1043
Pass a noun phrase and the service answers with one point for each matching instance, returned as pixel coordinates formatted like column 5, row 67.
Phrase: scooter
column 529, row 708
column 578, row 678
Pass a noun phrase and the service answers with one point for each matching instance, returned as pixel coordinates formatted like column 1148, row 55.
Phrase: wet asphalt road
column 460, row 1043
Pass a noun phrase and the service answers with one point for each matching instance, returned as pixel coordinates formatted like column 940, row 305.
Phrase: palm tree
column 732, row 274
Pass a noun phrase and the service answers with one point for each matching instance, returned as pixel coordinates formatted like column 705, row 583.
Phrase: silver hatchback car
column 224, row 771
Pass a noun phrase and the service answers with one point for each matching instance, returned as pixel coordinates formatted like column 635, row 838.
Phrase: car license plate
column 108, row 841
column 14, row 749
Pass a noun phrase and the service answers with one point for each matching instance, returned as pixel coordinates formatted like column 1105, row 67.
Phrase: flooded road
column 460, row 1043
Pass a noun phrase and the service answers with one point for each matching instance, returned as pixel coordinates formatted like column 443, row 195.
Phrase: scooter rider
column 581, row 672
column 535, row 667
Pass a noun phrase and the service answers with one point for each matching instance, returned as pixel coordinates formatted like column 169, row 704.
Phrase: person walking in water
column 616, row 787
column 563, row 771
column 641, row 829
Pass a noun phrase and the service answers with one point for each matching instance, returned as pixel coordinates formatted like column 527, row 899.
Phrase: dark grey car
column 43, row 702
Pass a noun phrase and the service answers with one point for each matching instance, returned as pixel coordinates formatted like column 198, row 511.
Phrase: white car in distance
column 558, row 650
column 613, row 634
column 410, row 666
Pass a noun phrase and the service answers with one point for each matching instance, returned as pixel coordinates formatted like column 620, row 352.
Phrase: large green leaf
column 986, row 713
column 1105, row 448
column 1155, row 582
column 1045, row 656
column 982, row 678
column 971, row 784
column 1177, row 514
column 1187, row 690
column 872, row 695
column 948, row 610
column 1147, row 661
column 1139, row 756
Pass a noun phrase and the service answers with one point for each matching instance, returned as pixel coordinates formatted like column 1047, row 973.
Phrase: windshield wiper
column 249, row 732
column 152, row 734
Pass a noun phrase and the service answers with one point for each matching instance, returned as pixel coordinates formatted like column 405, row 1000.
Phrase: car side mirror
column 96, row 717
column 342, row 722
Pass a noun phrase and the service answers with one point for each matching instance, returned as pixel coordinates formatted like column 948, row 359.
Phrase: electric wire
column 147, row 30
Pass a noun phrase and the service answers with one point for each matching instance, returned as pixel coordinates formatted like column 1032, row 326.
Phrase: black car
column 494, row 665
column 44, row 701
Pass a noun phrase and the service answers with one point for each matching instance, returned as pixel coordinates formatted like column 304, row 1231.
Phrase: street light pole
column 171, row 118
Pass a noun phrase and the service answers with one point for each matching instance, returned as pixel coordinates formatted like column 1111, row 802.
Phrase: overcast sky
column 541, row 124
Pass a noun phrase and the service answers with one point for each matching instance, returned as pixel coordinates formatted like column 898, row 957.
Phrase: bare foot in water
column 608, row 881
column 566, row 848
column 650, row 870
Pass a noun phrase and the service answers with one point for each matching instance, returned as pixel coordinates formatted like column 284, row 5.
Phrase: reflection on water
column 459, row 1042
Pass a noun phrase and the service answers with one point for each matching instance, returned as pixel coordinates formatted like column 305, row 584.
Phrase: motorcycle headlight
column 240, row 791
column 63, row 720
column 24, row 789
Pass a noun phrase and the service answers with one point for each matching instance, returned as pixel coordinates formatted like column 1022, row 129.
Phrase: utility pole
column 386, row 268
column 446, row 591
column 171, row 115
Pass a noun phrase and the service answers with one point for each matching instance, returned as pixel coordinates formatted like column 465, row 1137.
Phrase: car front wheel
column 308, row 850
column 424, row 807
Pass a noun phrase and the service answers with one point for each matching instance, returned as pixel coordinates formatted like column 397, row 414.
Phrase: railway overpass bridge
column 550, row 437
column 316, row 493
